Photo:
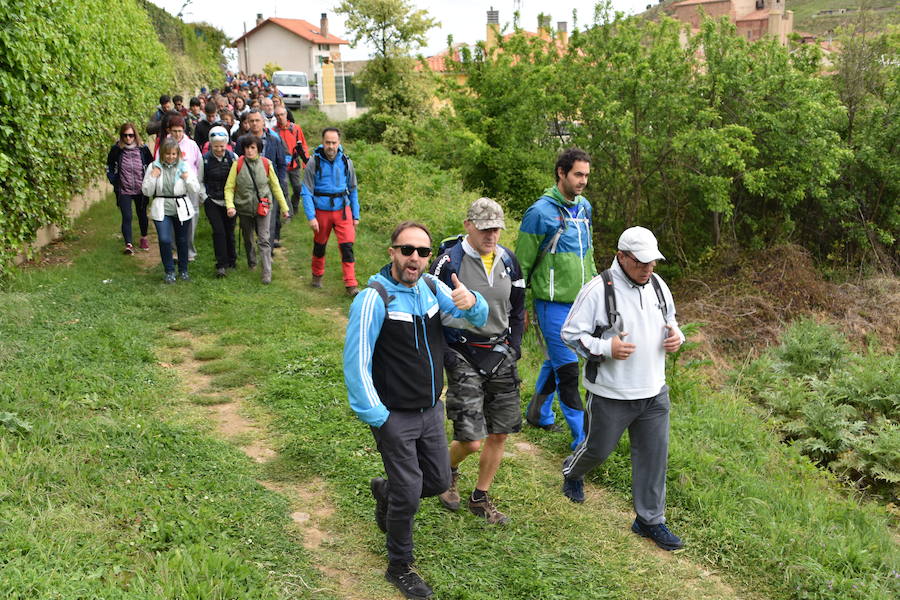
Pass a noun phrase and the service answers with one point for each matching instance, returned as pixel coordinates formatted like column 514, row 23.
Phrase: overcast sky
column 464, row 19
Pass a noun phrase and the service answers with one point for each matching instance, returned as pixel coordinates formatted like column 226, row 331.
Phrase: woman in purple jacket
column 125, row 165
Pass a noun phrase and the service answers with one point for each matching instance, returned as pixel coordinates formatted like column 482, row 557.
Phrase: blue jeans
column 124, row 201
column 558, row 376
column 165, row 230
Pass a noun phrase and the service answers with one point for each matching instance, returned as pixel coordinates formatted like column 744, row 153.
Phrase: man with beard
column 556, row 253
column 393, row 370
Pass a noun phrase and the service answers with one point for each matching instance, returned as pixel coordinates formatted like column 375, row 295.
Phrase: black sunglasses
column 407, row 250
column 127, row 135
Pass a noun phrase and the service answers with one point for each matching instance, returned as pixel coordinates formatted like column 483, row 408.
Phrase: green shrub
column 808, row 348
column 836, row 407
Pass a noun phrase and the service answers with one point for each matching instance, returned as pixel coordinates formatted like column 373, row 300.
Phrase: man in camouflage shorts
column 483, row 382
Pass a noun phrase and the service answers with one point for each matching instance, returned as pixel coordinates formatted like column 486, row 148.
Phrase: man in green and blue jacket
column 556, row 253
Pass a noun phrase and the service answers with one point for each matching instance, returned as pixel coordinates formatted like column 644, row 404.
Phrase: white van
column 294, row 86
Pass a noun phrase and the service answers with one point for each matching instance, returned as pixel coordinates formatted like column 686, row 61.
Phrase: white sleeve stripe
column 365, row 353
column 582, row 296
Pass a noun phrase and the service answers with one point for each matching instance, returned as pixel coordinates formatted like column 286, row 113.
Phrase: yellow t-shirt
column 488, row 262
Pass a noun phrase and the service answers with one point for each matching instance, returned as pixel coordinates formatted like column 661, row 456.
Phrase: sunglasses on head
column 407, row 250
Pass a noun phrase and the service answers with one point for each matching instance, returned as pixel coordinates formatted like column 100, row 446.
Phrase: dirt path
column 343, row 564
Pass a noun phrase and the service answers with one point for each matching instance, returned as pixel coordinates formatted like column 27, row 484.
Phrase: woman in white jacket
column 169, row 182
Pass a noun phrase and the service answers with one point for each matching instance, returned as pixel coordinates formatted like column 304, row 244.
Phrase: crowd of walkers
column 239, row 154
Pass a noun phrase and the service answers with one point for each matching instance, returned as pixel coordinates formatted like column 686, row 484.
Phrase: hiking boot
column 316, row 281
column 145, row 243
column 220, row 272
column 129, row 249
column 485, row 509
column 378, row 485
column 408, row 582
column 266, row 279
column 276, row 243
column 660, row 535
column 352, row 291
column 170, row 278
column 185, row 276
column 573, row 489
column 450, row 498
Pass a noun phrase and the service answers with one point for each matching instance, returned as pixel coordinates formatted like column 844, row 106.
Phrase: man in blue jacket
column 330, row 201
column 393, row 369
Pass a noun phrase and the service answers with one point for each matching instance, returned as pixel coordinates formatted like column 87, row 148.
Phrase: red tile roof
column 300, row 28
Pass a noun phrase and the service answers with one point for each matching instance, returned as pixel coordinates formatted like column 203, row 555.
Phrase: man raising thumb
column 462, row 297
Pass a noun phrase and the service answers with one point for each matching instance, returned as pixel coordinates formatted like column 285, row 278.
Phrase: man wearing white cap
column 624, row 328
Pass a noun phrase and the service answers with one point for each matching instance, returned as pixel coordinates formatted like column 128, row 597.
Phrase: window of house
column 324, row 47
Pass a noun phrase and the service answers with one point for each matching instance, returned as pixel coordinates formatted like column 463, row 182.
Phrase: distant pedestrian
column 214, row 171
column 210, row 120
column 126, row 164
column 295, row 142
column 251, row 180
column 191, row 155
column 169, row 181
column 331, row 201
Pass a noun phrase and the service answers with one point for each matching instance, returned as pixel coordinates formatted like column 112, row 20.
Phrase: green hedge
column 62, row 96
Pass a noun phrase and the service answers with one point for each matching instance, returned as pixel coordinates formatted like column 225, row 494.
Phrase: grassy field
column 194, row 441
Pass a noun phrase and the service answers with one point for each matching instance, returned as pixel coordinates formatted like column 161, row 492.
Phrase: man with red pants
column 330, row 202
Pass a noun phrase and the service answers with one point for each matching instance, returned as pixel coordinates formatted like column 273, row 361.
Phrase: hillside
column 821, row 16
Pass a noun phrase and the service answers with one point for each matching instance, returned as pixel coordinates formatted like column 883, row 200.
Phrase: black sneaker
column 660, row 534
column 573, row 489
column 408, row 582
column 378, row 485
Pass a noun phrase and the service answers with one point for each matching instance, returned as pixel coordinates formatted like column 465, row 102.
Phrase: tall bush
column 61, row 95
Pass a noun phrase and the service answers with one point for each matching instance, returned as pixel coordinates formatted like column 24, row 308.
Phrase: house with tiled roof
column 292, row 44
column 753, row 19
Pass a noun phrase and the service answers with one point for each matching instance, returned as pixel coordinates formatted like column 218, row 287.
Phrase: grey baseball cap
column 486, row 214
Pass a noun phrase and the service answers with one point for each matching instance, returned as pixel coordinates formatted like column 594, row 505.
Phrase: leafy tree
column 270, row 68
column 497, row 129
column 863, row 221
column 52, row 129
column 397, row 94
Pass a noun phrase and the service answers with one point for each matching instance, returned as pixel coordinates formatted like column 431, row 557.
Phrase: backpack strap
column 654, row 279
column 267, row 164
column 376, row 285
column 240, row 164
column 609, row 295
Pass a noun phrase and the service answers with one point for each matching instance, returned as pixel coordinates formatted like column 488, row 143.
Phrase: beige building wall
column 273, row 43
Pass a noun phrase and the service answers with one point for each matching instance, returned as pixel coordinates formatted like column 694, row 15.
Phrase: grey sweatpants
column 647, row 421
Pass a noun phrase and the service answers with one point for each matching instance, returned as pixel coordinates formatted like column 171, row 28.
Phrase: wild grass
column 109, row 495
